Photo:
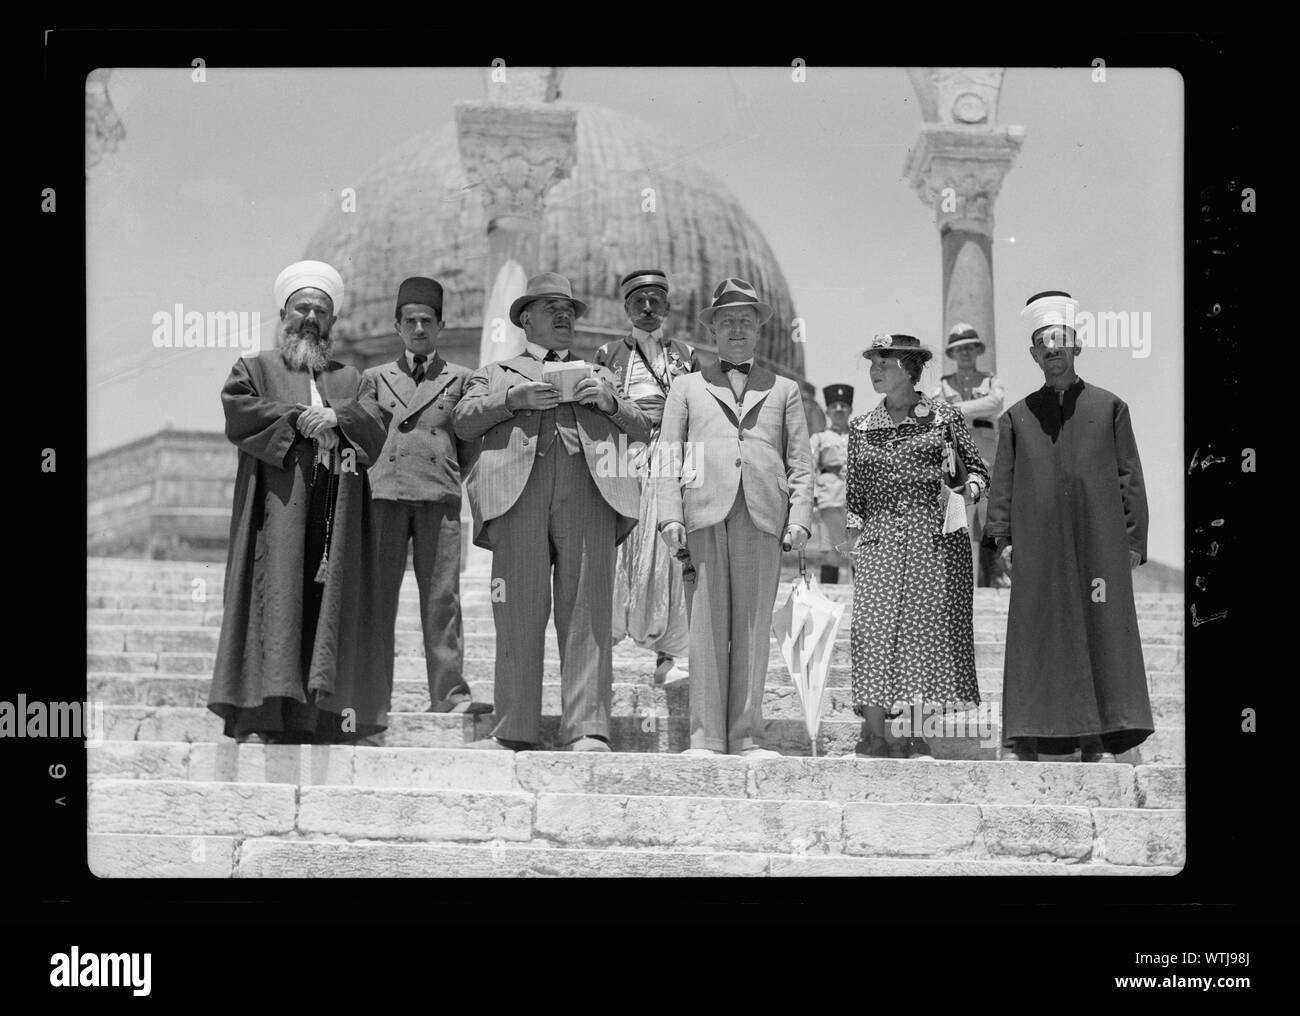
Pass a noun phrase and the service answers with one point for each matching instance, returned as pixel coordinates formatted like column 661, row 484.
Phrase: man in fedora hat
column 552, row 517
column 830, row 449
column 1068, row 494
column 415, row 484
column 649, row 595
column 978, row 397
column 739, row 492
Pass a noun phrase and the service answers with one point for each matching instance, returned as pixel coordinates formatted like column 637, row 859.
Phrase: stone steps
column 116, row 855
column 1048, row 834
column 480, row 655
column 988, row 625
column 409, row 641
column 629, row 697
column 170, row 796
column 650, row 733
column 820, row 779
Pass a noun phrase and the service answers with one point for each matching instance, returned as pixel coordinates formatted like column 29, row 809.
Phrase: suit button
column 433, row 458
column 738, row 462
column 392, row 458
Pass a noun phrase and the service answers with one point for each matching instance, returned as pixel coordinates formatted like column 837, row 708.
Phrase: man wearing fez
column 300, row 658
column 741, row 490
column 552, row 517
column 649, row 596
column 830, row 452
column 978, row 396
column 1067, row 493
column 416, row 488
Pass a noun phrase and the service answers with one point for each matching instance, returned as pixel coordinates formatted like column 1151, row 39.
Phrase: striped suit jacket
column 507, row 445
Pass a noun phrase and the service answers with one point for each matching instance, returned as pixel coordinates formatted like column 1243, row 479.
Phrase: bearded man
column 300, row 657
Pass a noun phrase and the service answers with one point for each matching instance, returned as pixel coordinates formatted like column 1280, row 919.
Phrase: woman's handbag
column 955, row 476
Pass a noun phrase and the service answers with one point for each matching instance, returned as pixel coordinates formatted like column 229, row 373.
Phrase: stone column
column 514, row 148
column 957, row 166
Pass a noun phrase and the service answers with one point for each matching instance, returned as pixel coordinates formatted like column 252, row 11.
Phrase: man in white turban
column 300, row 658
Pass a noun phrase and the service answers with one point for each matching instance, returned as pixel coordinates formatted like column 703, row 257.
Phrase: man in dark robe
column 300, row 658
column 1068, row 494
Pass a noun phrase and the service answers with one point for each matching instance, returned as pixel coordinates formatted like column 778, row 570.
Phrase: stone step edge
column 109, row 856
column 1066, row 834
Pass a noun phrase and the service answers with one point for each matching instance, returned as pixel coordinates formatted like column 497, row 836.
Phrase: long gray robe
column 1068, row 494
column 259, row 656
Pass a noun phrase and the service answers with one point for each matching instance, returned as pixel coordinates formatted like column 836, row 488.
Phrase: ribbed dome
column 416, row 215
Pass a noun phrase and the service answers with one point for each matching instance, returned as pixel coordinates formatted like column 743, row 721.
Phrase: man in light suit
column 543, row 498
column 742, row 490
column 416, row 490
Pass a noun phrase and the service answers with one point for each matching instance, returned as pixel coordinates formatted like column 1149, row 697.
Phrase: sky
column 218, row 185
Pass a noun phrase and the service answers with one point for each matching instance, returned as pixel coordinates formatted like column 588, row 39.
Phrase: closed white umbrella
column 805, row 624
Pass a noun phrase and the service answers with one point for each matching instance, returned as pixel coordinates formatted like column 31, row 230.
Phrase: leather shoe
column 589, row 743
column 1091, row 749
column 498, row 744
column 460, row 702
column 873, row 747
column 917, row 748
column 1025, row 750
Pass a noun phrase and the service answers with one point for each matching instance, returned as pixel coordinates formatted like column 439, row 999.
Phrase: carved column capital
column 514, row 153
column 104, row 127
column 957, row 170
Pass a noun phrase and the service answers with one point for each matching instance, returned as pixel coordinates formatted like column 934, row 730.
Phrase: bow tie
column 729, row 366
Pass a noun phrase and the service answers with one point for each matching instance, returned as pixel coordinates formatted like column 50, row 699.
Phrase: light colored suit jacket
column 507, row 445
column 421, row 460
column 763, row 442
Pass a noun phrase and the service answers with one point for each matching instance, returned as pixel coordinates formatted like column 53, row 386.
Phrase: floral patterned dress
column 911, row 635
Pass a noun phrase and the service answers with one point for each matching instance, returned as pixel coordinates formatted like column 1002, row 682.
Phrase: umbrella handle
column 803, row 569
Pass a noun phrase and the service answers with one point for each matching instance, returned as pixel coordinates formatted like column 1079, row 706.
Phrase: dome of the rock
column 416, row 214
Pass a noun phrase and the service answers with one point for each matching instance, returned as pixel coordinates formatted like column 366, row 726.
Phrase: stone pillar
column 515, row 147
column 957, row 166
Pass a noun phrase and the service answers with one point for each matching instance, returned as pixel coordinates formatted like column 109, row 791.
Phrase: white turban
column 309, row 275
column 1051, row 309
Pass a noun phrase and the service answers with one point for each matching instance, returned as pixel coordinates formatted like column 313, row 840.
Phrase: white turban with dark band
column 309, row 275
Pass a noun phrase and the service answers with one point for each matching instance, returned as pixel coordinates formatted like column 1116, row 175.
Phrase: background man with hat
column 830, row 449
column 416, row 488
column 1068, row 493
column 979, row 397
column 740, row 491
column 552, row 517
column 300, row 656
column 649, row 596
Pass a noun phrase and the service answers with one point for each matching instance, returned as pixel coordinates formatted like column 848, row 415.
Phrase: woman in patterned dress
column 912, row 635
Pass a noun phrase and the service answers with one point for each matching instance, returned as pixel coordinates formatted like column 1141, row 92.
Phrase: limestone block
column 638, row 774
column 130, row 855
column 1045, row 832
column 689, row 822
column 912, row 830
column 174, row 807
column 414, row 814
column 137, row 760
column 1143, row 836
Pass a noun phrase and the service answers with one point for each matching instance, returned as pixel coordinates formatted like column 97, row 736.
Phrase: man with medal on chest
column 649, row 597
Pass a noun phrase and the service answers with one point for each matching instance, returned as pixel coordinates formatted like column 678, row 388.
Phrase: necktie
column 742, row 367
column 551, row 354
column 417, row 371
